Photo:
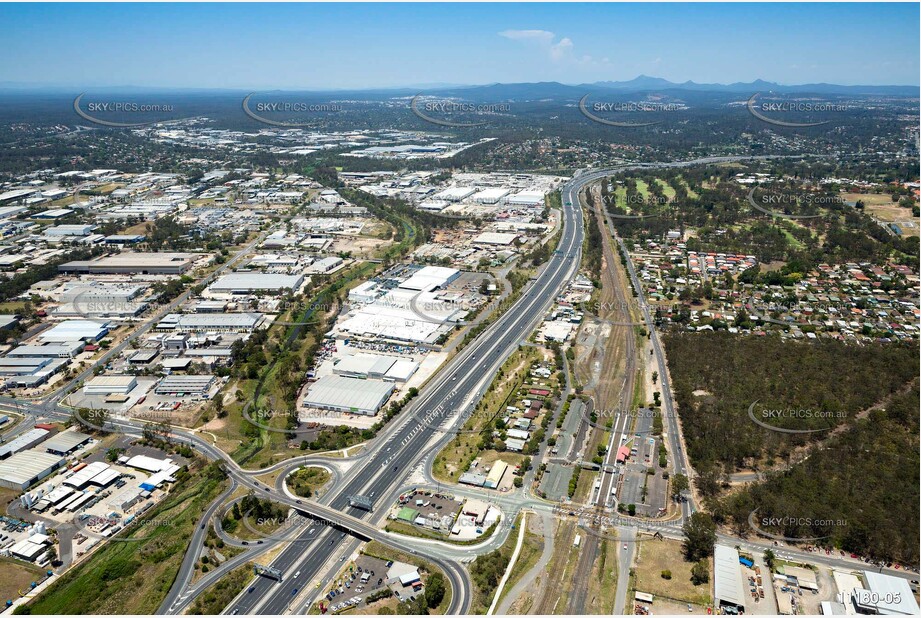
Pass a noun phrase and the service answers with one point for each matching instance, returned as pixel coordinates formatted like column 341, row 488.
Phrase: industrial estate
column 481, row 350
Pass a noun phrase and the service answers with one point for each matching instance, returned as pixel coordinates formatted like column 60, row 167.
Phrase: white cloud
column 561, row 52
column 543, row 37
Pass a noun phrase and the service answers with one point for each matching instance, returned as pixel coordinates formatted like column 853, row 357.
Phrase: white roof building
column 490, row 196
column 455, row 194
column 247, row 283
column 727, row 577
column 494, row 238
column 75, row 330
column 348, row 395
column 527, row 198
column 430, row 278
column 107, row 385
column 886, row 595
column 27, row 467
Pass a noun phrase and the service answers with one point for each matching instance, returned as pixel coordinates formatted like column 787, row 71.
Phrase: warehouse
column 489, row 196
column 191, row 386
column 70, row 230
column 348, row 395
column 97, row 473
column 22, row 442
column 494, row 478
column 430, row 278
column 884, row 595
column 494, row 238
column 109, row 385
column 128, row 498
column 126, row 263
column 30, row 371
column 249, row 283
column 66, row 442
column 31, row 548
column 151, row 464
column 365, row 292
column 472, row 478
column 376, row 366
column 455, row 194
column 527, row 198
column 70, row 331
column 28, row 467
column 143, row 357
column 727, row 578
column 52, row 350
column 326, row 265
column 210, row 322
column 99, row 299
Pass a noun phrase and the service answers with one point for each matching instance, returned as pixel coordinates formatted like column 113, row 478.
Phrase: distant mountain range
column 511, row 91
column 645, row 84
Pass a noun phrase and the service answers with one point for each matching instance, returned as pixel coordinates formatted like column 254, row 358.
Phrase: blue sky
column 382, row 45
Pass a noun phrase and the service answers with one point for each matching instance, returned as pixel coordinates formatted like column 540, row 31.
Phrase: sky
column 334, row 46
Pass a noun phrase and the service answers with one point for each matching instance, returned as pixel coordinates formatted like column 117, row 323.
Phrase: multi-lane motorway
column 438, row 409
column 406, row 445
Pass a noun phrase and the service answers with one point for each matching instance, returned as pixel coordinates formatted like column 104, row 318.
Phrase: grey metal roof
column 348, row 393
column 727, row 576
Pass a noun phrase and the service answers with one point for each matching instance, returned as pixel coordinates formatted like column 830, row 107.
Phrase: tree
column 679, row 484
column 435, row 590
column 769, row 559
column 700, row 536
column 700, row 573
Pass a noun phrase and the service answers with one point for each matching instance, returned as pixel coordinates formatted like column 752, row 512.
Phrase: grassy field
column 456, row 456
column 483, row 595
column 642, row 188
column 15, row 577
column 12, row 306
column 134, row 577
column 667, row 190
column 656, row 556
column 306, row 481
column 218, row 595
column 531, row 549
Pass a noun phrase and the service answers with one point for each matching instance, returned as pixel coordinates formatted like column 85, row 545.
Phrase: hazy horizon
column 386, row 46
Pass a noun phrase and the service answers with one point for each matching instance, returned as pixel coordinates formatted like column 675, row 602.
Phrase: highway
column 430, row 418
column 408, row 444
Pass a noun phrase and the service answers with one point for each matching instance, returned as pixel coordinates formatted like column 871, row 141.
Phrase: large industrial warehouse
column 248, row 283
column 134, row 264
column 348, row 395
column 23, row 469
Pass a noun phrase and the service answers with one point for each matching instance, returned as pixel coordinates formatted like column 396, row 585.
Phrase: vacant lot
column 15, row 577
column 655, row 556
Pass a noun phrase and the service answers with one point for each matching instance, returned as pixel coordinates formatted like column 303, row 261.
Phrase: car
column 235, row 611
column 294, row 592
column 625, row 547
column 297, row 574
column 202, row 526
column 299, row 502
column 258, row 542
column 251, row 589
column 244, row 542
